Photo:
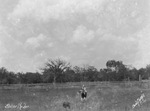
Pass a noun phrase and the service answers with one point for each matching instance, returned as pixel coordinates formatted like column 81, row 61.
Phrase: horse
column 83, row 93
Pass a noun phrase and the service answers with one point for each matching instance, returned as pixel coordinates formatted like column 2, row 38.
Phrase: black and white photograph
column 74, row 55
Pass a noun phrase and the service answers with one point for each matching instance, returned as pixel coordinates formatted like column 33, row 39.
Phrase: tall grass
column 101, row 97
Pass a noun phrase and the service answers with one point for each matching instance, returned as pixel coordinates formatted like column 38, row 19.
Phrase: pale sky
column 78, row 31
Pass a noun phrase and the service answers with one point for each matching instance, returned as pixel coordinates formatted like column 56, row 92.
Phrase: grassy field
column 101, row 97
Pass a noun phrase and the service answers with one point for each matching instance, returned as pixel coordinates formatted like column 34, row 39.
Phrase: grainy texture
column 101, row 97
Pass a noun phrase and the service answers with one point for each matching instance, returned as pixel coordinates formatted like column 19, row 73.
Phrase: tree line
column 60, row 71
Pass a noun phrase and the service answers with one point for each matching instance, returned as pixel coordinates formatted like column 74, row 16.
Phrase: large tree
column 7, row 77
column 118, row 69
column 55, row 69
column 91, row 73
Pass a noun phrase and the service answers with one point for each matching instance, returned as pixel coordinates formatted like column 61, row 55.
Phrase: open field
column 101, row 97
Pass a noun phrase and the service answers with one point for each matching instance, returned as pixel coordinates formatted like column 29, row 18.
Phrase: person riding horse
column 83, row 93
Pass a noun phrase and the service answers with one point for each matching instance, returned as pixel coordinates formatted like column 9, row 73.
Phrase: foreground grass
column 101, row 97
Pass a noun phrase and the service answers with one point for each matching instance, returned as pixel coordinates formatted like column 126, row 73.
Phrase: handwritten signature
column 139, row 101
column 19, row 106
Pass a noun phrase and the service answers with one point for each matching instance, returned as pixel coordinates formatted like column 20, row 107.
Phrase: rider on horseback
column 83, row 93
